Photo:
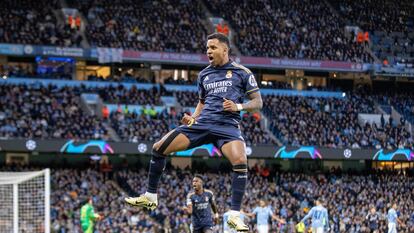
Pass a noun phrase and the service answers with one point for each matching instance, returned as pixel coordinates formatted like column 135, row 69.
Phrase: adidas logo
column 206, row 79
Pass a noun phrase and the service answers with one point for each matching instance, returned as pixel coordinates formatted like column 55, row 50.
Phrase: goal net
column 25, row 201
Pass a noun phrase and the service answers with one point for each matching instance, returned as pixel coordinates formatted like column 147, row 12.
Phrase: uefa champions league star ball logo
column 347, row 153
column 142, row 148
column 31, row 145
column 252, row 81
column 248, row 150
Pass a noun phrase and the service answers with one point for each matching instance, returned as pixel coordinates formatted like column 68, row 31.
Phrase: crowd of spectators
column 332, row 123
column 122, row 95
column 390, row 24
column 376, row 15
column 45, row 112
column 294, row 27
column 170, row 26
column 289, row 195
column 254, row 133
column 29, row 22
column 36, row 111
column 403, row 102
column 186, row 98
column 287, row 29
column 290, row 29
column 145, row 125
column 179, row 81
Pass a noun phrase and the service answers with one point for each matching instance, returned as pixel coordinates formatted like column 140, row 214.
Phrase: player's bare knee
column 240, row 160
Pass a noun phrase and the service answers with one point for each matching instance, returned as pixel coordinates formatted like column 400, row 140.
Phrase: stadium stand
column 128, row 26
column 121, row 95
column 28, row 22
column 295, row 121
column 390, row 24
column 54, row 112
column 45, row 112
column 288, row 194
column 332, row 123
column 146, row 25
column 288, row 29
column 401, row 101
column 291, row 29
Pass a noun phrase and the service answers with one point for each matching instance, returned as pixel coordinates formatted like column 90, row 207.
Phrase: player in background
column 88, row 216
column 393, row 219
column 320, row 219
column 373, row 220
column 200, row 203
column 263, row 214
column 222, row 88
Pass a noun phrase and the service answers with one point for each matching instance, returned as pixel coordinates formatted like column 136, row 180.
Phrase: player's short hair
column 320, row 200
column 220, row 37
column 199, row 177
column 84, row 201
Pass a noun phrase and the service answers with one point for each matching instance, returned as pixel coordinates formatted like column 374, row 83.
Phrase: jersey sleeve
column 394, row 214
column 270, row 211
column 201, row 90
column 310, row 213
column 250, row 84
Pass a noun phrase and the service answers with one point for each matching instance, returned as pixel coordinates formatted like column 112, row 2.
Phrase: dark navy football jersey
column 201, row 216
column 231, row 81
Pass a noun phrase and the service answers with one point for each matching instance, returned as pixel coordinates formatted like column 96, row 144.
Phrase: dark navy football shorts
column 201, row 133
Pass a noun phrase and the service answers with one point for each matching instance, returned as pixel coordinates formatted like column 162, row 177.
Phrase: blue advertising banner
column 209, row 150
column 11, row 49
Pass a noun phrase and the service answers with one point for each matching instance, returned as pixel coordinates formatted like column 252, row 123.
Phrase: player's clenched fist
column 187, row 120
column 230, row 106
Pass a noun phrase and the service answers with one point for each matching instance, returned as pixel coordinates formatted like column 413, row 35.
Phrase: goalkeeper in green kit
column 88, row 216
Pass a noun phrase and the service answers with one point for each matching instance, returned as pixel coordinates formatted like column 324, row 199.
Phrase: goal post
column 25, row 201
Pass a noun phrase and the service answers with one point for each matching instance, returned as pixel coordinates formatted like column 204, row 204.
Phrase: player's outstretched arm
column 188, row 209
column 247, row 214
column 189, row 120
column 215, row 211
column 400, row 222
column 281, row 220
column 198, row 109
column 307, row 216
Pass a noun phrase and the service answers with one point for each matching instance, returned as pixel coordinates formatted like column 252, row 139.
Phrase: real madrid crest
column 229, row 74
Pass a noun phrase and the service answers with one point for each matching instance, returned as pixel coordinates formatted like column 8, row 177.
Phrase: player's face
column 197, row 184
column 262, row 204
column 216, row 52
